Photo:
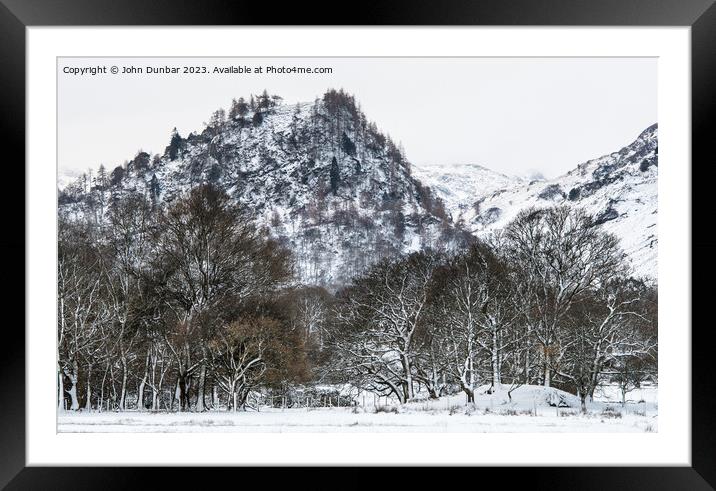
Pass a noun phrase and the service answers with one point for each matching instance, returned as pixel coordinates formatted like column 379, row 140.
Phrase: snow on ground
column 529, row 411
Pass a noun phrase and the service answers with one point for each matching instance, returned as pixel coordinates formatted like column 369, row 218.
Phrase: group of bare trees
column 547, row 301
column 171, row 308
column 191, row 307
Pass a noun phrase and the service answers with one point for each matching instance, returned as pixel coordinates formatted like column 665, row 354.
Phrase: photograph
column 357, row 244
column 418, row 235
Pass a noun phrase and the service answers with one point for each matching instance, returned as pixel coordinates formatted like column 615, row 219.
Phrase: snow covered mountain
column 326, row 183
column 461, row 185
column 618, row 190
column 318, row 176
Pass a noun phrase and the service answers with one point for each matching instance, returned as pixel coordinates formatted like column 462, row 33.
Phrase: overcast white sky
column 513, row 115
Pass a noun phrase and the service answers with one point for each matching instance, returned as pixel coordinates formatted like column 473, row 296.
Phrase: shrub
column 611, row 413
column 386, row 409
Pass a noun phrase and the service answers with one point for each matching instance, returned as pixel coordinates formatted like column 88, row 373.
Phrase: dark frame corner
column 16, row 15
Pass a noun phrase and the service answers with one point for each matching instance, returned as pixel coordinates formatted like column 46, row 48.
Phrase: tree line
column 159, row 302
column 546, row 301
column 191, row 306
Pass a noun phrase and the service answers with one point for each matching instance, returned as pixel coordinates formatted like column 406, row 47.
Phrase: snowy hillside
column 340, row 195
column 66, row 178
column 618, row 190
column 323, row 180
column 461, row 185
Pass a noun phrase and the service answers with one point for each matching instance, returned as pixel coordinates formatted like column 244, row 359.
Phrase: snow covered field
column 528, row 412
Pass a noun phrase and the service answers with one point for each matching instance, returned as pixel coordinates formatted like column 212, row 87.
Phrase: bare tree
column 605, row 332
column 210, row 250
column 129, row 242
column 474, row 309
column 238, row 355
column 560, row 254
column 79, row 313
column 381, row 314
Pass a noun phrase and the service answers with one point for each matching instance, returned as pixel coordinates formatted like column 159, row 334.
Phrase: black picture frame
column 16, row 15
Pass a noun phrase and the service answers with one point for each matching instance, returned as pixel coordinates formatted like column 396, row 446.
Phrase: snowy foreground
column 532, row 409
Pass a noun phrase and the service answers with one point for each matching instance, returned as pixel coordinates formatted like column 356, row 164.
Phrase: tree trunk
column 154, row 398
column 470, row 394
column 583, row 402
column 140, row 393
column 547, row 372
column 495, row 360
column 72, row 391
column 100, row 403
column 243, row 395
column 175, row 395
column 75, row 403
column 200, row 406
column 408, row 383
column 60, row 390
column 183, row 396
column 88, row 392
column 123, row 386
column 496, row 373
column 113, row 386
column 201, row 386
column 528, row 355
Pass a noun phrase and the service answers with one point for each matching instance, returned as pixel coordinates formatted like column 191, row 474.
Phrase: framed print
column 421, row 239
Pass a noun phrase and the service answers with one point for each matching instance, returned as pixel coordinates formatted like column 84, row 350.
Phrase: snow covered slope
column 461, row 185
column 318, row 176
column 326, row 183
column 618, row 190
